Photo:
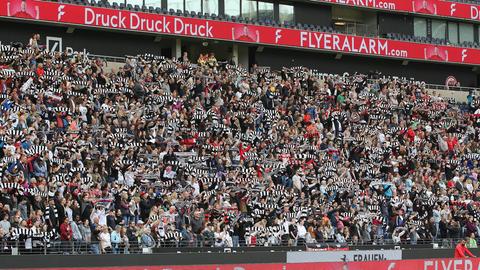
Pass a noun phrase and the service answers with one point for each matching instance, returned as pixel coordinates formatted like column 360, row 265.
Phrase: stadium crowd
column 165, row 152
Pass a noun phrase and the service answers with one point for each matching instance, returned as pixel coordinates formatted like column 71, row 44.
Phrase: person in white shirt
column 99, row 213
column 105, row 242
column 5, row 224
column 129, row 177
column 302, row 232
column 227, row 239
column 298, row 180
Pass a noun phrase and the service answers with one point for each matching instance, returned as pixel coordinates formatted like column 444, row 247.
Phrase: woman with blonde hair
column 105, row 242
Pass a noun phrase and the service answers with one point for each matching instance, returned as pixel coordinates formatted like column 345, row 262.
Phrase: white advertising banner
column 341, row 256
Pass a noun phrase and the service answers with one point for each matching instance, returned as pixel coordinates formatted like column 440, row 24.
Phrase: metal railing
column 108, row 58
column 357, row 29
column 440, row 87
column 452, row 88
column 19, row 247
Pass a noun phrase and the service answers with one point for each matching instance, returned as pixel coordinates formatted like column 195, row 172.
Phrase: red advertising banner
column 433, row 264
column 230, row 31
column 429, row 7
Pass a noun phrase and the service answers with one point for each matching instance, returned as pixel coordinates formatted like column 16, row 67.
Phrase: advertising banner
column 441, row 8
column 230, row 31
column 340, row 256
column 434, row 264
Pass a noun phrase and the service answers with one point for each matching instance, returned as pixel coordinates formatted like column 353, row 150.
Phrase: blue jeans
column 115, row 249
column 126, row 219
column 235, row 240
column 95, row 249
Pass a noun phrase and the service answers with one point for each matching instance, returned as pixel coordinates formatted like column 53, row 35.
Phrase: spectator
column 96, row 229
column 40, row 168
column 105, row 242
column 116, row 239
column 212, row 61
column 207, row 153
column 125, row 242
column 85, row 231
column 132, row 233
column 310, row 237
column 147, row 240
column 472, row 242
column 34, row 41
column 66, row 235
column 76, row 234
column 184, row 57
column 301, row 232
column 202, row 59
column 5, row 224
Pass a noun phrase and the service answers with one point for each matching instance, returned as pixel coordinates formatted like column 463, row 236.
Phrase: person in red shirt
column 65, row 230
column 66, row 236
column 411, row 134
column 24, row 11
column 245, row 34
column 40, row 70
column 461, row 250
column 242, row 150
column 451, row 142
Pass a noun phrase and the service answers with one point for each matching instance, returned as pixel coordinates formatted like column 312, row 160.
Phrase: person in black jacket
column 443, row 227
column 145, row 206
